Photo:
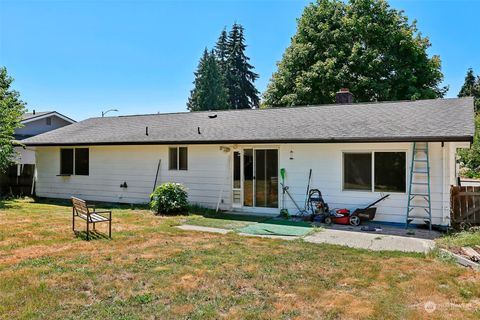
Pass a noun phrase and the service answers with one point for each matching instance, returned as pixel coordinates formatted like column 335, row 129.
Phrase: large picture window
column 388, row 168
column 74, row 161
column 178, row 158
column 357, row 171
column 390, row 171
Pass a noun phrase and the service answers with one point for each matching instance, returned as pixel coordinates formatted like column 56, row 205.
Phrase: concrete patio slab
column 376, row 242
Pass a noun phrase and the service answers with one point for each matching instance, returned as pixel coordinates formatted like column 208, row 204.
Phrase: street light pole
column 105, row 112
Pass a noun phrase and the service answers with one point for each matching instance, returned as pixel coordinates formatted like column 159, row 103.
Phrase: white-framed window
column 178, row 158
column 379, row 171
column 74, row 161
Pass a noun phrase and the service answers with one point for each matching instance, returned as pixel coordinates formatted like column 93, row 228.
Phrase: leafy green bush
column 169, row 198
column 470, row 158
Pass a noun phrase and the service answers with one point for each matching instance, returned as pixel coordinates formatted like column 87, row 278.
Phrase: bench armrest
column 109, row 213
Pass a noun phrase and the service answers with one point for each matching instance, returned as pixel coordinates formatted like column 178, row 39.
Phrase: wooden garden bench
column 82, row 210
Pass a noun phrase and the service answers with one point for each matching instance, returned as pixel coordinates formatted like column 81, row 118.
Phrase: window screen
column 236, row 170
column 183, row 158
column 357, row 171
column 81, row 162
column 172, row 158
column 66, row 161
column 390, row 171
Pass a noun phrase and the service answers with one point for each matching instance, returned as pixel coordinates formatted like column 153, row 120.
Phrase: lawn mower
column 359, row 215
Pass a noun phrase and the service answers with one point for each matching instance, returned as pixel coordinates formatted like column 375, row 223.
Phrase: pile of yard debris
column 470, row 253
column 464, row 246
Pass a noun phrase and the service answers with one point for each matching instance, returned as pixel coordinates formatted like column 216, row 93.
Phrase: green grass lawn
column 460, row 239
column 151, row 270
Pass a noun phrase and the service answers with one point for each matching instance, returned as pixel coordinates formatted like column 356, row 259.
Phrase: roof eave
column 261, row 141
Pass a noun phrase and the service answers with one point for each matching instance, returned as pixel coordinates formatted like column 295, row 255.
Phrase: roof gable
column 29, row 116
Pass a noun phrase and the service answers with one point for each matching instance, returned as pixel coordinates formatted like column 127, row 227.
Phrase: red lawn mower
column 345, row 216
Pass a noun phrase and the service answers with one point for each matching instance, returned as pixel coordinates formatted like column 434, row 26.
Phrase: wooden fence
column 11, row 183
column 465, row 206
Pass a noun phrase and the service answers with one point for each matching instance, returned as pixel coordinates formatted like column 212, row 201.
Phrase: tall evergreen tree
column 471, row 88
column 239, row 75
column 221, row 51
column 470, row 158
column 209, row 88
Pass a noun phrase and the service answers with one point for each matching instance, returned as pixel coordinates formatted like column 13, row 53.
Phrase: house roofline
column 49, row 114
column 265, row 141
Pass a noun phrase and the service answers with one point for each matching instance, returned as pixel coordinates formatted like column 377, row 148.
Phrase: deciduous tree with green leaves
column 11, row 110
column 363, row 45
column 209, row 86
column 470, row 158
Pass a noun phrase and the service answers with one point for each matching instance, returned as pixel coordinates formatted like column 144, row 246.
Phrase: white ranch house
column 357, row 152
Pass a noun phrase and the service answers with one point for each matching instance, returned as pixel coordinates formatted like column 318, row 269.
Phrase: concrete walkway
column 359, row 240
column 370, row 241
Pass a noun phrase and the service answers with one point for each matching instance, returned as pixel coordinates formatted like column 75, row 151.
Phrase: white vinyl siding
column 210, row 171
column 110, row 166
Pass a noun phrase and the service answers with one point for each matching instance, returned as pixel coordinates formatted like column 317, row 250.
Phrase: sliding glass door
column 260, row 183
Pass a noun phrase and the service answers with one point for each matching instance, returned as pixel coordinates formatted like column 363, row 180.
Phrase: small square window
column 178, row 158
column 49, row 121
column 74, row 161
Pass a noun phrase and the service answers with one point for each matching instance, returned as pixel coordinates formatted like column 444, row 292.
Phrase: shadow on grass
column 98, row 204
column 94, row 235
column 8, row 204
column 212, row 214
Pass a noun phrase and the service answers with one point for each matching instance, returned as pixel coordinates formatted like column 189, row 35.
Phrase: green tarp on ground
column 278, row 228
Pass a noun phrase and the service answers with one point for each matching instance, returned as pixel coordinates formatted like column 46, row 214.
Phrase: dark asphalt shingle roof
column 424, row 120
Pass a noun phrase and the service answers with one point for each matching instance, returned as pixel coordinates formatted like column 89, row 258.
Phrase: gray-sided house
column 357, row 152
column 18, row 179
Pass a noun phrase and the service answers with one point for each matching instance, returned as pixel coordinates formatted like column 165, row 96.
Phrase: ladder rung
column 419, row 217
column 422, row 196
column 410, row 208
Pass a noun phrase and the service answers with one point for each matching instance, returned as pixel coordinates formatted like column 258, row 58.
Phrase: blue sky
column 82, row 57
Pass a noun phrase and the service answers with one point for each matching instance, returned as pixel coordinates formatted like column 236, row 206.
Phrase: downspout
column 444, row 175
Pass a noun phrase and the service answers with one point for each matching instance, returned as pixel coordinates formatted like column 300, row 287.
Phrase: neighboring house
column 356, row 151
column 18, row 178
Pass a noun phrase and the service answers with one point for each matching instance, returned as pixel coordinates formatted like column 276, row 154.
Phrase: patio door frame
column 241, row 205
